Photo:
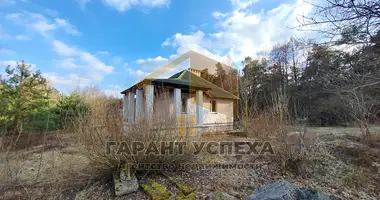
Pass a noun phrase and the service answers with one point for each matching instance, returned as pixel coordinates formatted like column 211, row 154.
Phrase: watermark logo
column 209, row 147
column 192, row 166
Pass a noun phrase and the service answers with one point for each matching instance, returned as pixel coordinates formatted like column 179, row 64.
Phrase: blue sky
column 113, row 43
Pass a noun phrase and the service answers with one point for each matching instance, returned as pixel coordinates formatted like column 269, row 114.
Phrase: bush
column 70, row 107
column 42, row 120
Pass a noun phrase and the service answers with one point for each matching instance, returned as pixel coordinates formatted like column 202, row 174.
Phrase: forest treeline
column 327, row 82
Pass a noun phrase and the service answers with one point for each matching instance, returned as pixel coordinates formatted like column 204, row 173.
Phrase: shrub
column 70, row 107
column 42, row 120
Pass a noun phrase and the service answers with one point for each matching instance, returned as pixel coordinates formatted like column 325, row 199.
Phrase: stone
column 185, row 189
column 283, row 190
column 314, row 194
column 220, row 196
column 156, row 191
column 279, row 190
column 191, row 196
column 125, row 182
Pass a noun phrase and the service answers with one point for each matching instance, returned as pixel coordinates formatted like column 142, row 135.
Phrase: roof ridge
column 182, row 74
column 176, row 76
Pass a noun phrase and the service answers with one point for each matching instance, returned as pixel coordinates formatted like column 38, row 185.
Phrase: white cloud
column 85, row 67
column 136, row 72
column 242, row 4
column 69, row 28
column 64, row 50
column 67, row 63
column 179, row 67
column 7, row 2
column 13, row 63
column 149, row 64
column 196, row 38
column 218, row 14
column 242, row 32
column 196, row 41
column 95, row 63
column 134, row 75
column 34, row 21
column 7, row 51
column 51, row 12
column 83, row 3
column 22, row 37
column 117, row 60
column 42, row 25
column 16, row 17
column 115, row 86
column 114, row 90
column 171, row 57
column 103, row 52
column 123, row 5
column 113, row 93
column 75, row 58
column 68, row 81
column 91, row 70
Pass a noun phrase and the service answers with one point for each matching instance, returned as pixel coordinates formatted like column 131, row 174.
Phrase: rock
column 191, row 196
column 132, row 196
column 185, row 189
column 283, row 190
column 220, row 196
column 314, row 194
column 156, row 191
column 279, row 190
column 125, row 182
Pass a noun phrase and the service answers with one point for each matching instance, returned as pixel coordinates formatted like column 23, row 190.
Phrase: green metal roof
column 193, row 80
column 186, row 79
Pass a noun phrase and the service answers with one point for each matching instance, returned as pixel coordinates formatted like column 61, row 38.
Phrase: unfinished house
column 194, row 104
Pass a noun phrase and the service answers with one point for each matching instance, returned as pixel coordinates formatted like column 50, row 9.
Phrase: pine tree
column 24, row 92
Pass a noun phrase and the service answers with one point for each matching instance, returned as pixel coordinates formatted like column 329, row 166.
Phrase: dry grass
column 104, row 124
column 292, row 143
column 58, row 165
column 40, row 171
column 64, row 162
column 263, row 126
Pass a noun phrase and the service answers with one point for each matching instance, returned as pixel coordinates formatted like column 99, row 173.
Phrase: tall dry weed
column 292, row 144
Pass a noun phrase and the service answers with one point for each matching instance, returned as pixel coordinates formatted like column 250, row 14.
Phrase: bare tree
column 362, row 104
column 336, row 18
